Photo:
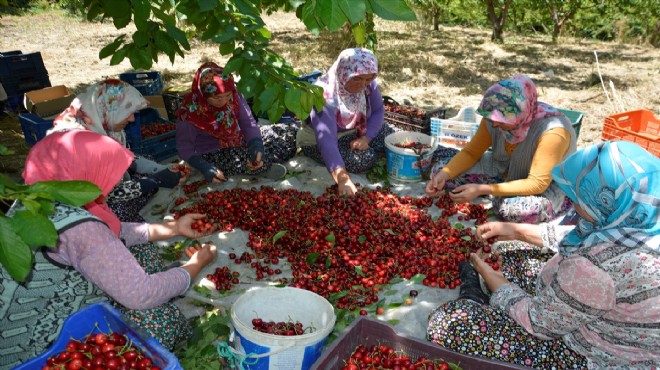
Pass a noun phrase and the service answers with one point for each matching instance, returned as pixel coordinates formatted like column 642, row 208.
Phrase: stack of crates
column 21, row 73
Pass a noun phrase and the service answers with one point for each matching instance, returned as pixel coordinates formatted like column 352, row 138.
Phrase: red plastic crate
column 638, row 126
column 368, row 332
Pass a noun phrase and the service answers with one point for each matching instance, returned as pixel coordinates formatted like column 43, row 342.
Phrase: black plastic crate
column 34, row 127
column 158, row 147
column 410, row 118
column 10, row 53
column 172, row 103
column 18, row 85
column 13, row 65
column 368, row 332
column 147, row 82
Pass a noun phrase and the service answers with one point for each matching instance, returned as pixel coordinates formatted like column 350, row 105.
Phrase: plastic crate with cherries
column 408, row 118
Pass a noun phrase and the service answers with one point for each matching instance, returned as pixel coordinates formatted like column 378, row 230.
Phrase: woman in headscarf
column 347, row 134
column 107, row 107
column 91, row 261
column 527, row 138
column 596, row 302
column 218, row 135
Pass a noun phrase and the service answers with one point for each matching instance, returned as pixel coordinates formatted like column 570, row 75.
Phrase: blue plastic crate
column 14, row 103
column 158, row 147
column 13, row 65
column 311, row 77
column 103, row 318
column 147, row 83
column 20, row 84
column 34, row 127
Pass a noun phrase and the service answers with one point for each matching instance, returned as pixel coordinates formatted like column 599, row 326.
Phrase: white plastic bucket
column 270, row 352
column 402, row 163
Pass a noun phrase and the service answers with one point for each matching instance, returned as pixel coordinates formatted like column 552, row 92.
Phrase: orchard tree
column 497, row 13
column 238, row 29
column 561, row 11
column 432, row 9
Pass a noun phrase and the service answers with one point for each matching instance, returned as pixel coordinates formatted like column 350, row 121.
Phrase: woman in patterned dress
column 348, row 133
column 107, row 107
column 91, row 261
column 527, row 138
column 596, row 302
column 218, row 135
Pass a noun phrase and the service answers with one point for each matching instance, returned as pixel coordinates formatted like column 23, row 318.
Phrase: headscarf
column 617, row 183
column 100, row 107
column 221, row 123
column 351, row 108
column 515, row 102
column 80, row 155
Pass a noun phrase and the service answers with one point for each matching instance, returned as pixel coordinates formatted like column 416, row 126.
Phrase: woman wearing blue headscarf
column 595, row 303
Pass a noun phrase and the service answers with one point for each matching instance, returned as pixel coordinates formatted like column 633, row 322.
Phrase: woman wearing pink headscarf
column 91, row 261
column 527, row 138
column 107, row 107
column 347, row 133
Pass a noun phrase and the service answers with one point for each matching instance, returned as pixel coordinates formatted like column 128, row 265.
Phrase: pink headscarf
column 80, row 155
column 351, row 108
column 100, row 107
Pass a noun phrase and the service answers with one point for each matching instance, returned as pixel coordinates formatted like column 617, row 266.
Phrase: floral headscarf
column 100, row 107
column 80, row 155
column 515, row 102
column 618, row 184
column 351, row 108
column 221, row 123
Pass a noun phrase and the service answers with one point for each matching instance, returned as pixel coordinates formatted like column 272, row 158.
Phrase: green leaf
column 393, row 321
column 355, row 10
column 142, row 11
column 269, row 94
column 466, row 237
column 358, row 270
column 362, row 239
column 331, row 14
column 207, row 5
column 278, row 236
column 140, row 58
column 204, row 291
column 328, row 262
column 311, row 258
column 338, row 295
column 417, row 279
column 390, row 292
column 292, row 100
column 390, row 231
column 392, row 10
column 25, row 223
column 178, row 35
column 330, row 237
column 395, row 280
column 309, row 17
column 8, row 182
column 233, row 64
column 75, row 193
column 458, row 226
column 360, row 33
column 119, row 56
column 15, row 256
column 111, row 48
column 6, row 151
column 227, row 47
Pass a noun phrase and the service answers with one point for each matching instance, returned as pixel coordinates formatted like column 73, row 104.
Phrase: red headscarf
column 80, row 155
column 221, row 123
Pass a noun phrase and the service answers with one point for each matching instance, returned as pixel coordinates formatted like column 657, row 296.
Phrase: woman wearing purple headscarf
column 527, row 139
column 347, row 133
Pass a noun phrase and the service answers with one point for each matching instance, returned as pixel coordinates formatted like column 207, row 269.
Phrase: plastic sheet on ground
column 307, row 175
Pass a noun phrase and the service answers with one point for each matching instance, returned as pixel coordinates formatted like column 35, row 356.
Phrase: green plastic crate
column 575, row 117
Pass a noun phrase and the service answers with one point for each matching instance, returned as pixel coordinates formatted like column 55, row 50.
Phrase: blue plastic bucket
column 403, row 164
column 264, row 351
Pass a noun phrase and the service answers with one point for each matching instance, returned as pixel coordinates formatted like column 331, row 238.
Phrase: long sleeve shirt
column 191, row 141
column 551, row 148
column 93, row 250
column 602, row 301
column 325, row 127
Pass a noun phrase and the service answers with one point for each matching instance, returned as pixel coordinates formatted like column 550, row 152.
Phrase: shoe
column 275, row 172
column 470, row 285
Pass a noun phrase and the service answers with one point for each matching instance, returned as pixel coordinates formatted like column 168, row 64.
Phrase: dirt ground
column 449, row 68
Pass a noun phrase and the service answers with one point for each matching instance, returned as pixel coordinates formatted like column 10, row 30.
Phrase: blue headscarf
column 617, row 184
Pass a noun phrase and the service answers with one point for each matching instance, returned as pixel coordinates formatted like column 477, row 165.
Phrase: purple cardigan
column 192, row 141
column 325, row 127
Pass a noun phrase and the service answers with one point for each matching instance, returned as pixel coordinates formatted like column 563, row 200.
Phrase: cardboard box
column 157, row 102
column 48, row 102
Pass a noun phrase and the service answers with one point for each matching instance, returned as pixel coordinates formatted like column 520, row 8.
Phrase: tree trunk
column 436, row 19
column 497, row 21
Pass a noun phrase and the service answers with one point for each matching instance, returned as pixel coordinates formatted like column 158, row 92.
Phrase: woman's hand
column 361, row 143
column 346, row 188
column 498, row 231
column 467, row 193
column 494, row 279
column 200, row 256
column 257, row 163
column 219, row 177
column 183, row 226
column 436, row 185
column 182, row 170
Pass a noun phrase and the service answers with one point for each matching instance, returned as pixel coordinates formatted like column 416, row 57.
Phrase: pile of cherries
column 414, row 145
column 385, row 357
column 288, row 328
column 223, row 278
column 156, row 129
column 99, row 352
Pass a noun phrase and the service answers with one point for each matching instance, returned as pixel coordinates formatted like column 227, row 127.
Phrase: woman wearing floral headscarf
column 596, row 303
column 218, row 135
column 347, row 133
column 527, row 138
column 106, row 108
